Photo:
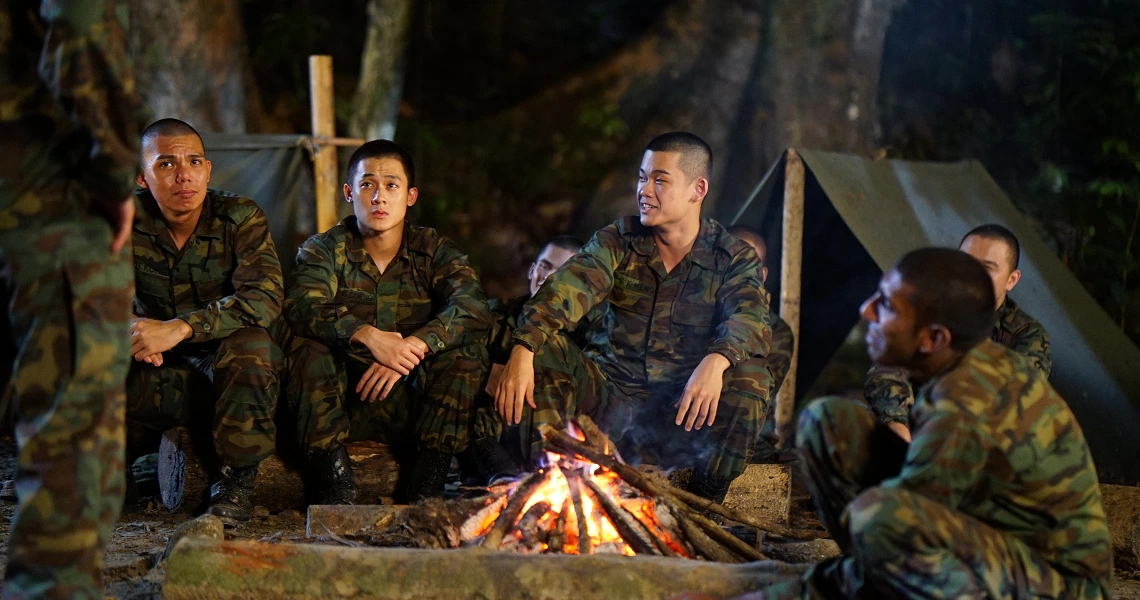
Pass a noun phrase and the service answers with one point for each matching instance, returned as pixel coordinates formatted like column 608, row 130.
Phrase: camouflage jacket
column 659, row 324
column 888, row 389
column 994, row 440
column 226, row 277
column 504, row 321
column 780, row 356
column 68, row 113
column 429, row 290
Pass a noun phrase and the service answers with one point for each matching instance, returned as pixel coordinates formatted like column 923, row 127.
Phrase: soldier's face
column 176, row 172
column 547, row 262
column 665, row 194
column 997, row 257
column 379, row 194
column 893, row 335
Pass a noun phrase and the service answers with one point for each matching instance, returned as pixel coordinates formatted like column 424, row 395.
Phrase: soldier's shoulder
column 426, row 240
column 725, row 242
column 627, row 227
column 233, row 206
column 332, row 238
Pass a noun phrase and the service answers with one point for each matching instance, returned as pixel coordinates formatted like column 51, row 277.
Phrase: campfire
column 585, row 500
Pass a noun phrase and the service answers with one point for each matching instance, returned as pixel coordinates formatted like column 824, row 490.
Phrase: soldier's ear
column 701, row 189
column 141, row 181
column 939, row 339
column 347, row 193
column 1014, row 277
column 413, row 195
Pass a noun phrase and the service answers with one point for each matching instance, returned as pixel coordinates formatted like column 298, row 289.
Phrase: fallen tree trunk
column 201, row 568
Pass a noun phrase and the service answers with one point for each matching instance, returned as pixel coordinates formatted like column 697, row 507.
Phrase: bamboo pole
column 324, row 126
column 791, row 265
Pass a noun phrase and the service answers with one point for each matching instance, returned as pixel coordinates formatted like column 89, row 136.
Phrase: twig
column 725, row 538
column 701, row 542
column 518, row 500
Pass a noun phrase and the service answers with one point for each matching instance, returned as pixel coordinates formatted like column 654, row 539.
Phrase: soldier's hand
column 902, row 430
column 122, row 219
column 390, row 349
column 377, row 381
column 702, row 393
column 154, row 359
column 516, row 385
column 150, row 337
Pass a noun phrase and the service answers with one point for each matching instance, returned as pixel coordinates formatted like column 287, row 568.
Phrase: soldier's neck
column 675, row 240
column 383, row 246
column 936, row 365
column 181, row 226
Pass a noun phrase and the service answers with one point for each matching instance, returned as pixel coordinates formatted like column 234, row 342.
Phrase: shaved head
column 167, row 128
column 696, row 155
column 752, row 238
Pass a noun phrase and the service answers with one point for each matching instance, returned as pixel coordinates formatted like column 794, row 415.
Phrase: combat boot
column 231, row 498
column 429, row 475
column 330, row 476
column 487, row 461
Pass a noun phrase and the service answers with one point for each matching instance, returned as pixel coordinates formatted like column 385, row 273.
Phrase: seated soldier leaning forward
column 997, row 494
column 888, row 389
column 208, row 286
column 684, row 317
column 389, row 320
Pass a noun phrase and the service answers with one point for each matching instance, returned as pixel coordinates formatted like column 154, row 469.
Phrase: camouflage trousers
column 68, row 304
column 568, row 382
column 228, row 387
column 898, row 544
column 433, row 408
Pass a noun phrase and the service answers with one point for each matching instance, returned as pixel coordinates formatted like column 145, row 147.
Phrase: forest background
column 526, row 117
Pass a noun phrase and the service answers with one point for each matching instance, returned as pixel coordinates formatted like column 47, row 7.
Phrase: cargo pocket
column 693, row 328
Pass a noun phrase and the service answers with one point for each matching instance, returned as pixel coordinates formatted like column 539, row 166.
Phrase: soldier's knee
column 878, row 521
column 816, row 418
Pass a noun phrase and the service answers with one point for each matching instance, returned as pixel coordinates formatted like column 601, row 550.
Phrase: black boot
column 330, row 476
column 429, row 475
column 708, row 487
column 231, row 498
column 487, row 461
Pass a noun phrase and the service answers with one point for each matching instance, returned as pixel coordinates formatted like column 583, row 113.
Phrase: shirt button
column 206, row 327
column 439, row 345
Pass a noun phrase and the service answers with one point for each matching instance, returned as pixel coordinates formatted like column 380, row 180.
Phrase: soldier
column 888, row 390
column 779, row 358
column 68, row 134
column 208, row 286
column 390, row 321
column 682, row 311
column 997, row 494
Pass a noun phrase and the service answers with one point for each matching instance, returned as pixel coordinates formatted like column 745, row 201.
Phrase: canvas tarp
column 860, row 215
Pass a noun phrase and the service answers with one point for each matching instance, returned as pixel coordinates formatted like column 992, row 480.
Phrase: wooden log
column 557, row 539
column 328, row 520
column 574, row 482
column 791, row 265
column 627, row 527
column 515, row 506
column 725, row 538
column 323, row 120
column 247, row 570
column 701, row 542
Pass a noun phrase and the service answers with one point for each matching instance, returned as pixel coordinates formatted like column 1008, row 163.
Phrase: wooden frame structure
column 323, row 119
column 791, row 266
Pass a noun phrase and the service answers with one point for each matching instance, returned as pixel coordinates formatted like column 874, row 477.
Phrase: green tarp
column 861, row 215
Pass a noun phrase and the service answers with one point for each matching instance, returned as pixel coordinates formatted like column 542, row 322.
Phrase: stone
column 1122, row 505
column 763, row 492
column 260, row 512
column 206, row 526
column 325, row 520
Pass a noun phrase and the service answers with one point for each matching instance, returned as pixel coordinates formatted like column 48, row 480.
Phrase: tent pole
column 324, row 126
column 791, row 264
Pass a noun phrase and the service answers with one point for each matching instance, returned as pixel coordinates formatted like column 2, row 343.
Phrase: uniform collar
column 149, row 219
column 354, row 242
column 703, row 252
column 1006, row 313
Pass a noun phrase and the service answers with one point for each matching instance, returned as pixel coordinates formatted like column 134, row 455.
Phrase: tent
column 860, row 215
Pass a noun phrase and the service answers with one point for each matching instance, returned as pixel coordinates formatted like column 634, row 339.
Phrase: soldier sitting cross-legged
column 996, row 495
column 683, row 310
column 208, row 286
column 390, row 320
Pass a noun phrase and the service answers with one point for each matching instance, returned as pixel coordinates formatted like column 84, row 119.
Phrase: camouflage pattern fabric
column 504, row 321
column 996, row 496
column 655, row 327
column 226, row 283
column 888, row 389
column 68, row 153
column 778, row 361
column 430, row 291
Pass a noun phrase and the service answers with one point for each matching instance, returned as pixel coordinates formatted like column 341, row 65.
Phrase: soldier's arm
column 311, row 307
column 744, row 331
column 572, row 291
column 87, row 69
column 944, row 460
column 889, row 393
column 464, row 317
column 1034, row 343
column 258, row 286
column 780, row 357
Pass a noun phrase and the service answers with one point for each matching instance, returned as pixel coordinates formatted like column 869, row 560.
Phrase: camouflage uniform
column 226, row 283
column 778, row 361
column 68, row 153
column 996, row 497
column 888, row 389
column 656, row 328
column 430, row 291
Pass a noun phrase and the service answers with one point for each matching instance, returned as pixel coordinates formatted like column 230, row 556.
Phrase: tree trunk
column 377, row 101
column 192, row 63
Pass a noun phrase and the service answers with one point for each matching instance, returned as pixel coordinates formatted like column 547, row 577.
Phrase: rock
column 260, row 512
column 206, row 526
column 803, row 552
column 1122, row 505
column 118, row 567
column 763, row 492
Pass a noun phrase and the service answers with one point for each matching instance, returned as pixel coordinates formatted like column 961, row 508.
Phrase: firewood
column 532, row 534
column 557, row 539
column 627, row 527
column 573, row 481
column 704, row 545
column 652, row 525
column 595, row 437
column 725, row 538
column 475, row 526
column 509, row 514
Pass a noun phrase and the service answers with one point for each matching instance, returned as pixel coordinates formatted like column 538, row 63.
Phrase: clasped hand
column 151, row 337
column 390, row 349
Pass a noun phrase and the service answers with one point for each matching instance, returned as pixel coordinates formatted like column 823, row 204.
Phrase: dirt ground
column 134, row 572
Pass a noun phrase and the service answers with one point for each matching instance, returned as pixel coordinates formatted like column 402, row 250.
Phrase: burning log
column 480, row 523
column 629, row 529
column 531, row 533
column 557, row 539
column 515, row 506
column 585, row 545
